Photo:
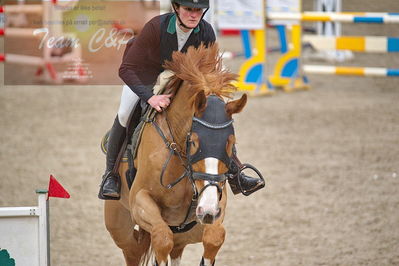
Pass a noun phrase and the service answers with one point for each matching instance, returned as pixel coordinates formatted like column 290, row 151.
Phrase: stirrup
column 235, row 183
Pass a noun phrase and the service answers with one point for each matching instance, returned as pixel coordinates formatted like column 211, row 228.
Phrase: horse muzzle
column 207, row 216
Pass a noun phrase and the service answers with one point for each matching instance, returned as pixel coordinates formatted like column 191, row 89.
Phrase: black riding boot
column 239, row 182
column 111, row 184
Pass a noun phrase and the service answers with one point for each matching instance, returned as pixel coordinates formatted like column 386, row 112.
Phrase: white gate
column 24, row 233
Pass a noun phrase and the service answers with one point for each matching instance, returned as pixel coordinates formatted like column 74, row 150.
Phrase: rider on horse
column 142, row 64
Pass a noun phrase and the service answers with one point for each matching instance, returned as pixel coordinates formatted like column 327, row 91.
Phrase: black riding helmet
column 192, row 4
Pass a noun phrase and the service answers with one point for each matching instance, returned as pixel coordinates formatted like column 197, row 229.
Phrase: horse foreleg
column 148, row 216
column 119, row 224
column 213, row 239
column 175, row 255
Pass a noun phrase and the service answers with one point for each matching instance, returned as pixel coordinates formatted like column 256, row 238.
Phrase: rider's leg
column 238, row 179
column 111, row 184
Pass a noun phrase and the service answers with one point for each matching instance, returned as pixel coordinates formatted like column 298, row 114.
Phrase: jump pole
column 354, row 43
column 370, row 17
column 18, row 32
column 22, row 59
column 352, row 71
column 367, row 44
column 28, row 9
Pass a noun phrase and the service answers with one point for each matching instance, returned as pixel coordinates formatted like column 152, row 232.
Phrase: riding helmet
column 193, row 3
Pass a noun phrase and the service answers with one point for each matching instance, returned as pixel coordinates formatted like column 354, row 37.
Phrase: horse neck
column 180, row 115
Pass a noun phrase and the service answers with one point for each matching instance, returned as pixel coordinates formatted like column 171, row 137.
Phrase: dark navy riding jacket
column 146, row 53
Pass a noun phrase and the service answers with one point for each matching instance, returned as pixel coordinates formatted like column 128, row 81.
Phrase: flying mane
column 202, row 68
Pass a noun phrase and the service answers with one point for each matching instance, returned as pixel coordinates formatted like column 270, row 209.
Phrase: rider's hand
column 159, row 101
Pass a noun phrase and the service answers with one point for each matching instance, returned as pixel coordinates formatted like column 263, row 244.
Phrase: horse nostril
column 208, row 219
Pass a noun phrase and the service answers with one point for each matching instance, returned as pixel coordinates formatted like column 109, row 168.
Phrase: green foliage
column 5, row 259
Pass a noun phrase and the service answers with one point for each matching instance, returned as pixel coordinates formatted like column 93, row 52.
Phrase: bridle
column 213, row 130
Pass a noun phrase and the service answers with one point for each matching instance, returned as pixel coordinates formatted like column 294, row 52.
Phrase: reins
column 173, row 150
column 186, row 159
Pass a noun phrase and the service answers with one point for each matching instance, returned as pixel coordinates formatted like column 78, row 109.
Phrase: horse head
column 200, row 83
column 210, row 148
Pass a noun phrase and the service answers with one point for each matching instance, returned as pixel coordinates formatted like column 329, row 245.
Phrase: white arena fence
column 24, row 232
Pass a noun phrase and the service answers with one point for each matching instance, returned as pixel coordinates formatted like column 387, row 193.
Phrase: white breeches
column 128, row 101
column 129, row 98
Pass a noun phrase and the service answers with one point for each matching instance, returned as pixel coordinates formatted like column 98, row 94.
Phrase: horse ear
column 200, row 103
column 236, row 106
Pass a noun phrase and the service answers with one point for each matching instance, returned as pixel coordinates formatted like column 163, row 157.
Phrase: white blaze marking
column 209, row 199
column 211, row 166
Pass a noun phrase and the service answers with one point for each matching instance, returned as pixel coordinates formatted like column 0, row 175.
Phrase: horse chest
column 177, row 201
column 174, row 216
column 175, row 208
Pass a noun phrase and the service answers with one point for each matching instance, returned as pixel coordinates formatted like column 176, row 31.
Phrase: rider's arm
column 140, row 65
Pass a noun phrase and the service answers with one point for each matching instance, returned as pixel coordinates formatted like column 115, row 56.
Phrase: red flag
column 56, row 190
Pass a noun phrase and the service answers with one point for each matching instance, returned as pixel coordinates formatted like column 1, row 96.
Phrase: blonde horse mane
column 202, row 68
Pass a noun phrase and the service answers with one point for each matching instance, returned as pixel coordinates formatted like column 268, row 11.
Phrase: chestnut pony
column 179, row 193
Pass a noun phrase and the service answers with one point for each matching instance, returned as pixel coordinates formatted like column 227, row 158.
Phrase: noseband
column 213, row 130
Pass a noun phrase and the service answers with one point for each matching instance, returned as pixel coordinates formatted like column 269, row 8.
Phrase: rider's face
column 190, row 16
